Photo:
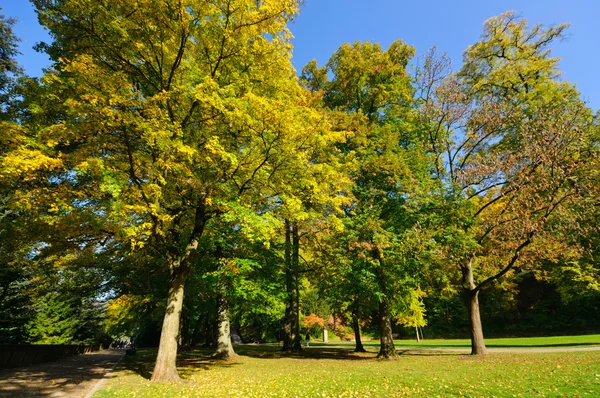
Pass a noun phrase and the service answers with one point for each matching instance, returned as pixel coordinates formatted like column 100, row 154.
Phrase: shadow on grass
column 66, row 377
column 187, row 362
column 429, row 353
column 191, row 361
column 273, row 351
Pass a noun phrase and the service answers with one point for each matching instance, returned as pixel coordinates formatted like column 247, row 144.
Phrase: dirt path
column 72, row 377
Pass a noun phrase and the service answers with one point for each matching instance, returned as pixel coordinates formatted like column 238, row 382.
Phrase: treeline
column 172, row 177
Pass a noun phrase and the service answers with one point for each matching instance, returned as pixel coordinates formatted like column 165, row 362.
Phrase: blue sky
column 323, row 25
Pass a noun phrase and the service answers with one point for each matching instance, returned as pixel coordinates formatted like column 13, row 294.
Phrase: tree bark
column 475, row 328
column 356, row 326
column 292, row 340
column 387, row 348
column 224, row 347
column 165, row 368
column 180, row 264
column 286, row 329
column 297, row 346
column 471, row 295
column 184, row 334
column 289, row 282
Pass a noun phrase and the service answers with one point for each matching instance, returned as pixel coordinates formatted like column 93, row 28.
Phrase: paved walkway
column 503, row 349
column 74, row 377
column 466, row 350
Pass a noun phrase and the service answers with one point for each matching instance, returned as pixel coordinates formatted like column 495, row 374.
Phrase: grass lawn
column 335, row 371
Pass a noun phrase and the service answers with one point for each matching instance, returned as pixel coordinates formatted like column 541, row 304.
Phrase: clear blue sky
column 323, row 25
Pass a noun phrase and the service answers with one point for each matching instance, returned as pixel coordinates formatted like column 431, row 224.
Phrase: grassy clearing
column 326, row 371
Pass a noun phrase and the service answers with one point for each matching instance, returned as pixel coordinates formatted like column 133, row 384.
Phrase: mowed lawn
column 335, row 371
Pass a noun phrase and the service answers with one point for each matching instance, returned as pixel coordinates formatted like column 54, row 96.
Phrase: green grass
column 335, row 371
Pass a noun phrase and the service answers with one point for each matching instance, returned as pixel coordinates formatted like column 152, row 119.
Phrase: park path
column 503, row 349
column 74, row 377
column 465, row 350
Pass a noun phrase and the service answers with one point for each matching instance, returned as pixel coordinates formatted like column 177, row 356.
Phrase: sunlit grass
column 327, row 371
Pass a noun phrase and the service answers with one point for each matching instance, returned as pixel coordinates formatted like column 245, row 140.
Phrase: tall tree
column 512, row 150
column 15, row 276
column 158, row 117
column 9, row 68
column 372, row 88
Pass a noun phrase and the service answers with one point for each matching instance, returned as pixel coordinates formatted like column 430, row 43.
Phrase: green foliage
column 127, row 313
column 60, row 319
column 312, row 301
column 9, row 68
column 15, row 307
column 511, row 57
column 55, row 321
column 414, row 314
column 371, row 95
column 172, row 139
column 514, row 151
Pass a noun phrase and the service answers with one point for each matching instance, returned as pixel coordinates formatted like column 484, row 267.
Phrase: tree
column 292, row 340
column 160, row 116
column 15, row 276
column 9, row 68
column 512, row 151
column 308, row 198
column 373, row 91
column 414, row 314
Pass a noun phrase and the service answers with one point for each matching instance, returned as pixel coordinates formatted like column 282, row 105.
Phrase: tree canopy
column 172, row 179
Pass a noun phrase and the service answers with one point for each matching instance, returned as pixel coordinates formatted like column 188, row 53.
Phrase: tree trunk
column 289, row 286
column 356, row 326
column 421, row 330
column 286, row 330
column 224, row 347
column 184, row 334
column 387, row 349
column 165, row 368
column 292, row 339
column 471, row 295
column 297, row 346
column 417, row 331
column 475, row 328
